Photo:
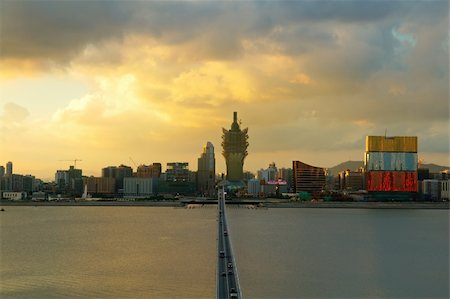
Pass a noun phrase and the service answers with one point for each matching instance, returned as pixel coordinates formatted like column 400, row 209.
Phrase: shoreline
column 364, row 205
column 267, row 204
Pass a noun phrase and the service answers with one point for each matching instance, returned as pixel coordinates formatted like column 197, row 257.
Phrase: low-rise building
column 39, row 196
column 431, row 189
column 445, row 192
column 14, row 195
column 253, row 187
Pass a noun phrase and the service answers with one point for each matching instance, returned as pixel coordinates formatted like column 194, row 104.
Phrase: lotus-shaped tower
column 234, row 143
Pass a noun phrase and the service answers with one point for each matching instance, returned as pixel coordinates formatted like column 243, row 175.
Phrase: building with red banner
column 391, row 167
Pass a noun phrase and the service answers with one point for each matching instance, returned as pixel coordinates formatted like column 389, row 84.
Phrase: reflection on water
column 107, row 252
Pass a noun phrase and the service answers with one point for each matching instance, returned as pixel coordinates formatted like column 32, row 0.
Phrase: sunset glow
column 155, row 81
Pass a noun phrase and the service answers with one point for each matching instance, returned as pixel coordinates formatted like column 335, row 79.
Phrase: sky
column 137, row 82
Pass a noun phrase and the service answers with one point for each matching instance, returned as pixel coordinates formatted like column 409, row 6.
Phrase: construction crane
column 74, row 162
column 133, row 162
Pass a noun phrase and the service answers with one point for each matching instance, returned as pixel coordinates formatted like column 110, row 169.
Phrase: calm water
column 341, row 253
column 144, row 252
column 107, row 252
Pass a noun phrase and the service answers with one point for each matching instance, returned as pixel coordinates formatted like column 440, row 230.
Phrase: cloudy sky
column 104, row 81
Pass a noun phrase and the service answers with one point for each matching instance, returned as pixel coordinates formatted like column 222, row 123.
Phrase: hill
column 434, row 168
column 354, row 165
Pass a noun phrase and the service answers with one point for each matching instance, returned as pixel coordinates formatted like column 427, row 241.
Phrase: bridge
column 199, row 201
column 227, row 281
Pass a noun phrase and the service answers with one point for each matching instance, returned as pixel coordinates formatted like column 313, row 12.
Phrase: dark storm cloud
column 58, row 30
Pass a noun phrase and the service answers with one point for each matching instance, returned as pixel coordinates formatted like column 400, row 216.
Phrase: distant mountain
column 434, row 168
column 354, row 165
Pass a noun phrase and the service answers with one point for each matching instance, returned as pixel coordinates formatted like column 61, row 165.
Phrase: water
column 148, row 252
column 341, row 253
column 107, row 252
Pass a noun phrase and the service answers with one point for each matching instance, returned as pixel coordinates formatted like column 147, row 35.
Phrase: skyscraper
column 206, row 173
column 2, row 171
column 234, row 143
column 9, row 168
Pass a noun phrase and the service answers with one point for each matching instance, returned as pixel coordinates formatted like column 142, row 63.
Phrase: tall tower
column 9, row 168
column 206, row 173
column 234, row 143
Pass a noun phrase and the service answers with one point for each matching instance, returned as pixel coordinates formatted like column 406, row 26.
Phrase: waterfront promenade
column 268, row 203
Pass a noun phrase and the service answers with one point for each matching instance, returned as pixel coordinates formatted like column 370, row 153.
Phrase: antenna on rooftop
column 385, row 133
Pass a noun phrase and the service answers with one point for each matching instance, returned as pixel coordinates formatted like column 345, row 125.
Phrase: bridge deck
column 227, row 276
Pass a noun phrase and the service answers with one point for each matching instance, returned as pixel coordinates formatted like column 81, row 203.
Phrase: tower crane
column 135, row 165
column 74, row 161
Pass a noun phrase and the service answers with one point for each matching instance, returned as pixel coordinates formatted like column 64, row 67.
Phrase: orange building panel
column 391, row 144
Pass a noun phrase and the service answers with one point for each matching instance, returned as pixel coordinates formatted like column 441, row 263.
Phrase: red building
column 307, row 178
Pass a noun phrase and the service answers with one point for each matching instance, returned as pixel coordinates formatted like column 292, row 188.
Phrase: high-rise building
column 149, row 171
column 206, row 173
column 177, row 172
column 234, row 143
column 287, row 175
column 2, row 171
column 9, row 168
column 391, row 167
column 307, row 178
column 351, row 180
column 100, row 186
column 17, row 183
column 118, row 173
column 248, row 175
column 70, row 181
column 269, row 174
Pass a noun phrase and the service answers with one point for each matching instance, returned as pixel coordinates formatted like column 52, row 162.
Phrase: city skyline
column 155, row 81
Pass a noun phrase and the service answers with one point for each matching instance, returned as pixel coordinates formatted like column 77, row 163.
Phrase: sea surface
column 156, row 252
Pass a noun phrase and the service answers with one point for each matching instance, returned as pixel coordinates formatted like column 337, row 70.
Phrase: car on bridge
column 222, row 253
